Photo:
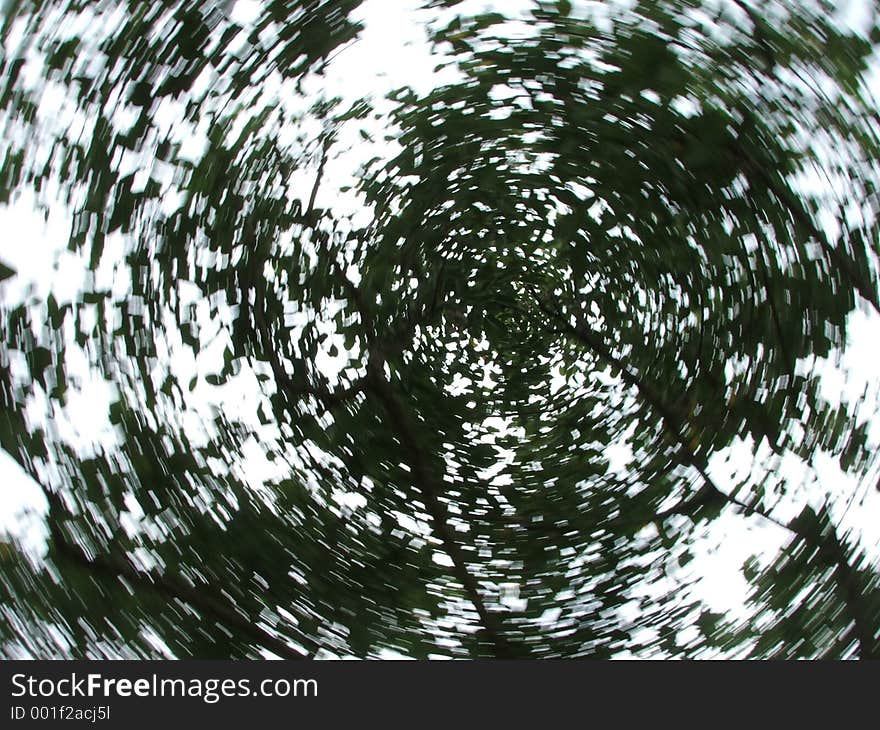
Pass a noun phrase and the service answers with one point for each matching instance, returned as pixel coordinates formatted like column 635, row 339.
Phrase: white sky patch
column 22, row 507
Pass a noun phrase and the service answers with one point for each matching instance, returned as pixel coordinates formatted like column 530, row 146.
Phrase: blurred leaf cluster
column 394, row 423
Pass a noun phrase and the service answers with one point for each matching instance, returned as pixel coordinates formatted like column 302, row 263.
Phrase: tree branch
column 669, row 417
column 829, row 546
column 851, row 590
column 430, row 488
column 197, row 597
column 865, row 288
column 325, row 147
column 331, row 398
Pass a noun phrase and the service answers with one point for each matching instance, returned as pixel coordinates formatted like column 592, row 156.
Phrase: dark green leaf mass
column 473, row 401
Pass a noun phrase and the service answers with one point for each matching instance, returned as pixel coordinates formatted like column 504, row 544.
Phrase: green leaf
column 5, row 272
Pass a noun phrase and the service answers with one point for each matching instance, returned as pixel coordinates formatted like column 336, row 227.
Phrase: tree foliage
column 603, row 236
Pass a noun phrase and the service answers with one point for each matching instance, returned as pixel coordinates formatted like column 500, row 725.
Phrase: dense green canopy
column 475, row 406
